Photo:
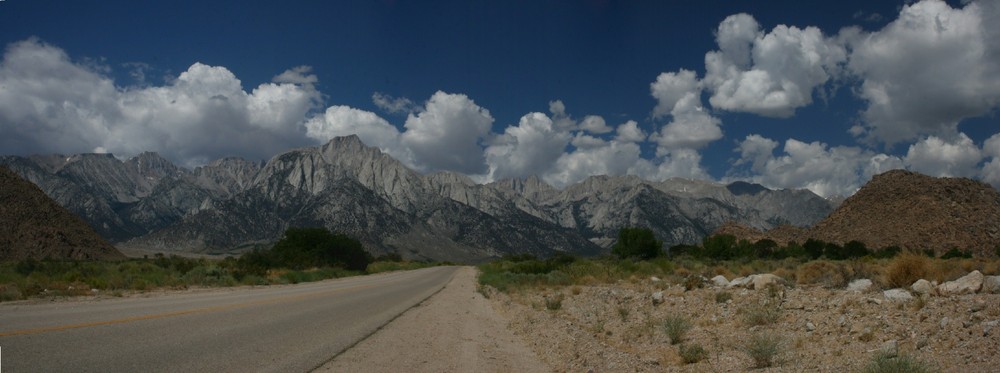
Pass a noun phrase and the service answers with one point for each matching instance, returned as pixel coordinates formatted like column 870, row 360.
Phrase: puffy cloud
column 614, row 158
column 446, row 135
column 530, row 148
column 991, row 170
column 595, row 124
column 630, row 132
column 937, row 157
column 49, row 103
column 393, row 105
column 669, row 88
column 756, row 150
column 684, row 163
column 927, row 70
column 679, row 94
column 369, row 127
column 825, row 170
column 769, row 74
column 586, row 141
column 560, row 119
column 692, row 127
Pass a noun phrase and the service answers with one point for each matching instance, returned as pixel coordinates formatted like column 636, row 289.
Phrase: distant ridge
column 232, row 205
column 905, row 209
column 34, row 226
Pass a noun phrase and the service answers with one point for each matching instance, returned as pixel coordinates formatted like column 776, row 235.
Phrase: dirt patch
column 619, row 328
column 455, row 330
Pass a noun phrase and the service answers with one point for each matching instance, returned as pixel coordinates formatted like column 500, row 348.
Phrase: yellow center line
column 180, row 313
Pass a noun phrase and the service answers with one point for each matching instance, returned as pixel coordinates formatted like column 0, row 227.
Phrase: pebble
column 810, row 327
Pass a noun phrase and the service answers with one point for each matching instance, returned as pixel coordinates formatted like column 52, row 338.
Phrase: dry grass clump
column 692, row 353
column 761, row 314
column 822, row 272
column 676, row 327
column 906, row 269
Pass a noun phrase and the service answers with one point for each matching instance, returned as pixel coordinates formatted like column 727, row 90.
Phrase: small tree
column 637, row 243
column 316, row 247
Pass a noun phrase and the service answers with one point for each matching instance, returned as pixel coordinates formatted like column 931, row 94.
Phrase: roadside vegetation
column 302, row 255
column 637, row 255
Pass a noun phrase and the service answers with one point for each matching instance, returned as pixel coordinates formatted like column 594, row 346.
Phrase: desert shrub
column 764, row 349
column 956, row 253
column 761, row 314
column 691, row 353
column 906, row 269
column 676, row 327
column 723, row 297
column 719, row 247
column 764, row 248
column 855, row 249
column 822, row 272
column 887, row 252
column 814, row 248
column 638, row 243
column 303, row 248
column 888, row 363
column 553, row 303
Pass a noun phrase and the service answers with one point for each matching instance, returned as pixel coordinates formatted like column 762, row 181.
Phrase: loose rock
column 897, row 295
column 922, row 287
column 762, row 281
column 967, row 284
column 720, row 281
column 991, row 285
column 657, row 298
column 860, row 285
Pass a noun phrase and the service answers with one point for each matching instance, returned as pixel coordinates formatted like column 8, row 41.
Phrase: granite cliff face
column 34, row 226
column 909, row 210
column 232, row 204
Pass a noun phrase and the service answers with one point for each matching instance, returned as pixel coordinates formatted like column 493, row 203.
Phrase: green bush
column 889, row 363
column 723, row 297
column 692, row 353
column 303, row 248
column 676, row 327
column 761, row 314
column 638, row 243
column 764, row 349
column 956, row 253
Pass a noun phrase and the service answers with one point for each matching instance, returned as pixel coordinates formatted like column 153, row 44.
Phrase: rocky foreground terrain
column 952, row 327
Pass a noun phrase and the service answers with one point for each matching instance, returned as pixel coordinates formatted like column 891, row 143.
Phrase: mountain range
column 232, row 204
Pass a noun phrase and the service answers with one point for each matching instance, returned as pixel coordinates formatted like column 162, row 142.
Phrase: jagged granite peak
column 32, row 225
column 230, row 175
column 532, row 188
column 740, row 188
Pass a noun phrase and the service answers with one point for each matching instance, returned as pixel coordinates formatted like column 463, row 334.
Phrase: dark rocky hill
column 32, row 225
column 909, row 210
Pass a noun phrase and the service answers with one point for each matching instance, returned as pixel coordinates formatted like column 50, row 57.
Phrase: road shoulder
column 455, row 330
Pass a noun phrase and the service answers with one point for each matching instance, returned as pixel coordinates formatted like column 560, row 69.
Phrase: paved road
column 292, row 328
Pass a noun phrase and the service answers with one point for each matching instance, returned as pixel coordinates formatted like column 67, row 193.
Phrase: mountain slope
column 909, row 210
column 34, row 226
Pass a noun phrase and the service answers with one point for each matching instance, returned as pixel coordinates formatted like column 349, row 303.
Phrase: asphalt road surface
column 292, row 328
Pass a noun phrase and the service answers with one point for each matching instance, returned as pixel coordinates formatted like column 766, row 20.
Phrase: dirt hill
column 34, row 226
column 909, row 210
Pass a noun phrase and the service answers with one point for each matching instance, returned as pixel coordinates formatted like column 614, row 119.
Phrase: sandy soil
column 455, row 330
column 617, row 328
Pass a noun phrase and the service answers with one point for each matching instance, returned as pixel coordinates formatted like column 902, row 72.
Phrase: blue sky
column 788, row 94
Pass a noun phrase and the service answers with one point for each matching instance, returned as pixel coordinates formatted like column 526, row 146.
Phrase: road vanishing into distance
column 286, row 328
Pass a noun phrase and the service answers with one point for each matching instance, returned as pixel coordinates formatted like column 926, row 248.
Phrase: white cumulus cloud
column 530, row 148
column 927, row 70
column 769, row 74
column 939, row 157
column 447, row 134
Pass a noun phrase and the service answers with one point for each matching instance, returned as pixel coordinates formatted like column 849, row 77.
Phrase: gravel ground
column 617, row 328
column 455, row 330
